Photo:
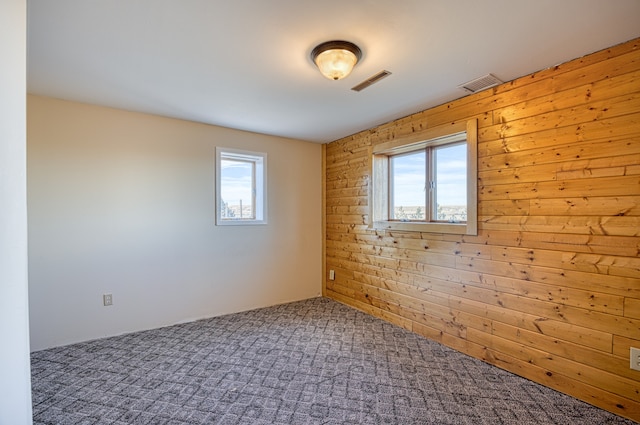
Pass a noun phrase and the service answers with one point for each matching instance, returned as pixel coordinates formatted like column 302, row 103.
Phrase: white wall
column 15, row 385
column 123, row 203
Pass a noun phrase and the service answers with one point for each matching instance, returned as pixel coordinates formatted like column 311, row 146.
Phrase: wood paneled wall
column 550, row 287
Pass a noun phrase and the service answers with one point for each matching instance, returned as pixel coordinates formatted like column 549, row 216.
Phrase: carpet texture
column 309, row 362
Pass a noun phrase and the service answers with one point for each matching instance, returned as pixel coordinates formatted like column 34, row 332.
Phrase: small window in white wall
column 241, row 187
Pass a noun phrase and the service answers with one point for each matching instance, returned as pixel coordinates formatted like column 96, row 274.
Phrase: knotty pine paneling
column 550, row 287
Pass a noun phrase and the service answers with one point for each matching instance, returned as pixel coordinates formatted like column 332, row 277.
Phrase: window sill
column 241, row 222
column 450, row 228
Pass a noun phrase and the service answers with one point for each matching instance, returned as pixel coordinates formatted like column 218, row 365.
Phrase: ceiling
column 245, row 64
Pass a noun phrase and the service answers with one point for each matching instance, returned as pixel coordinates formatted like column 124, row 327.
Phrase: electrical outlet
column 634, row 359
column 107, row 299
column 332, row 275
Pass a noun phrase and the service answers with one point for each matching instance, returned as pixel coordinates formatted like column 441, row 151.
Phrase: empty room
column 292, row 212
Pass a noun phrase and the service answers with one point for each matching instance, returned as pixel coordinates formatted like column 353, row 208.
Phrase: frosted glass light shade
column 336, row 59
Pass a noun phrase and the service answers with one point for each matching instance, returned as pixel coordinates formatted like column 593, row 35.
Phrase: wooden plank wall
column 550, row 287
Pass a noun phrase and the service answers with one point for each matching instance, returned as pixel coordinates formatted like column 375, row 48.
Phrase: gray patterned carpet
column 309, row 362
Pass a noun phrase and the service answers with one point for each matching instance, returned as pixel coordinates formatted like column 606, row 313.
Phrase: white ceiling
column 245, row 63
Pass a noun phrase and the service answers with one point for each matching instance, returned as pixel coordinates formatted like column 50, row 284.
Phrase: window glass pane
column 237, row 189
column 407, row 186
column 451, row 182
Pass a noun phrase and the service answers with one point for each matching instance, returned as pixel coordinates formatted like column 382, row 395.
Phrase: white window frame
column 379, row 191
column 259, row 160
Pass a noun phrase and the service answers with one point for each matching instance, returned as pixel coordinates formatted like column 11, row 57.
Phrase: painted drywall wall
column 123, row 203
column 15, row 378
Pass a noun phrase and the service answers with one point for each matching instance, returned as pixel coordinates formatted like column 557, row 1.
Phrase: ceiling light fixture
column 335, row 59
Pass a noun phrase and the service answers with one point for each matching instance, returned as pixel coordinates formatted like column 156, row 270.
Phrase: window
column 241, row 180
column 427, row 185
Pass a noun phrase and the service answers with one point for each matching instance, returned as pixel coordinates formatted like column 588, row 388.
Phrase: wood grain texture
column 549, row 288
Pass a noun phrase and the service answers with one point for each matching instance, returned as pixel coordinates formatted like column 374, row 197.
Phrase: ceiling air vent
column 481, row 83
column 371, row 80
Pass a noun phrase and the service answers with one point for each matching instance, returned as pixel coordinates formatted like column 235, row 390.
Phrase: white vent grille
column 481, row 83
column 371, row 80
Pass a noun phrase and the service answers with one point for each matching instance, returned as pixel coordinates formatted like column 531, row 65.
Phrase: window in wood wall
column 429, row 185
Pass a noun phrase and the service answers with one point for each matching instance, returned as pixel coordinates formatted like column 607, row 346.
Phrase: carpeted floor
column 309, row 362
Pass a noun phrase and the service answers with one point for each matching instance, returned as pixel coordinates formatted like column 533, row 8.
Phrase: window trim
column 259, row 159
column 379, row 198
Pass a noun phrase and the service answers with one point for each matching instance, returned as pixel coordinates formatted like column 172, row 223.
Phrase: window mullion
column 391, row 205
column 429, row 195
column 427, row 186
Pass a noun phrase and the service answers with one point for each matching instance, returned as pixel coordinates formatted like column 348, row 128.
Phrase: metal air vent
column 481, row 83
column 371, row 80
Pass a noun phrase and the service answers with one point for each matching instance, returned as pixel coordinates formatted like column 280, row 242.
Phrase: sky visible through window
column 409, row 180
column 409, row 177
column 236, row 182
column 451, row 175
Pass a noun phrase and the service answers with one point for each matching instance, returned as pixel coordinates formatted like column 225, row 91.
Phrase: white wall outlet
column 107, row 299
column 634, row 359
column 332, row 275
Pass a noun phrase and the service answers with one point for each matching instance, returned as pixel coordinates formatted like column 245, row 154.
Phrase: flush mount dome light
column 335, row 59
